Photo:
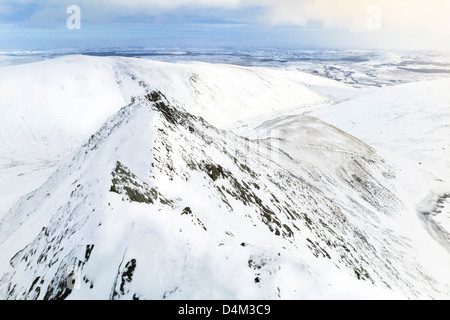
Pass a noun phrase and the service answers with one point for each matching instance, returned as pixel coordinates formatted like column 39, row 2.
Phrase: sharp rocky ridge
column 159, row 204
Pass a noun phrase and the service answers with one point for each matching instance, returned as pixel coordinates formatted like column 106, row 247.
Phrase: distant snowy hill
column 58, row 103
column 148, row 180
column 412, row 120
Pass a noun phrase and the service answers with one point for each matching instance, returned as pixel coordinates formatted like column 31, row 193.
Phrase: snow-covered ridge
column 52, row 106
column 159, row 204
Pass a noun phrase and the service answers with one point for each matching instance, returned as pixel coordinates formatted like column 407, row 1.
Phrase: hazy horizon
column 307, row 24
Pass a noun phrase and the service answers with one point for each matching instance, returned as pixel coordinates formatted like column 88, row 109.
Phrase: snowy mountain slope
column 159, row 204
column 48, row 108
column 412, row 120
column 225, row 94
column 20, row 180
column 425, row 199
column 410, row 125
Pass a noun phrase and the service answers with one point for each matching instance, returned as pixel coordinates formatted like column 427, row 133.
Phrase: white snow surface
column 164, row 201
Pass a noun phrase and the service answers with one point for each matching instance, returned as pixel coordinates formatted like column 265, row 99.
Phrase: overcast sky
column 390, row 24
